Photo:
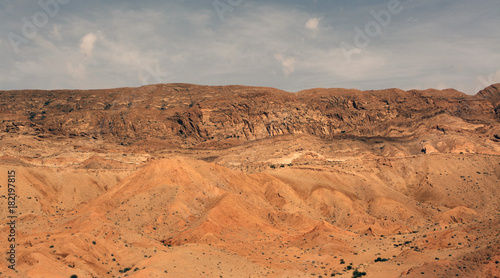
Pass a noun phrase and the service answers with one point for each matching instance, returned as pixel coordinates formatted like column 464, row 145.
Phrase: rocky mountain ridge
column 197, row 116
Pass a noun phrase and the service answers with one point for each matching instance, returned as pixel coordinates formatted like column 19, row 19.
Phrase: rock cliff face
column 492, row 94
column 191, row 115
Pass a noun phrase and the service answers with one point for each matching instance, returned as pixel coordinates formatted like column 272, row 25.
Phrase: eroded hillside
column 179, row 180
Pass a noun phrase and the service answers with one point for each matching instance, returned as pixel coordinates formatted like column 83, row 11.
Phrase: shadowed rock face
column 188, row 115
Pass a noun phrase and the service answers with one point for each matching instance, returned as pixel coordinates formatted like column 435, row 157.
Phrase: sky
column 291, row 45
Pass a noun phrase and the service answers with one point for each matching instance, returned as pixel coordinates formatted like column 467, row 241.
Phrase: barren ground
column 421, row 201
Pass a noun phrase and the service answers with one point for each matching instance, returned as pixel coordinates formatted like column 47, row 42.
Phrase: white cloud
column 313, row 24
column 56, row 34
column 485, row 81
column 87, row 44
column 288, row 64
column 331, row 62
column 76, row 71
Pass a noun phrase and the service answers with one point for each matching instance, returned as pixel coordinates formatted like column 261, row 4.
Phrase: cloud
column 485, row 81
column 76, row 71
column 313, row 24
column 288, row 64
column 56, row 32
column 263, row 43
column 87, row 44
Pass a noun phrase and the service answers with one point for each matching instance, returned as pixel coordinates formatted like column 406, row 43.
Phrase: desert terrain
column 181, row 180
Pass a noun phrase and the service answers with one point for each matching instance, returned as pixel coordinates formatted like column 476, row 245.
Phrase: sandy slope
column 182, row 216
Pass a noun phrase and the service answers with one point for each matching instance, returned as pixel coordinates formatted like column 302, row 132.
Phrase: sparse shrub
column 125, row 270
column 357, row 274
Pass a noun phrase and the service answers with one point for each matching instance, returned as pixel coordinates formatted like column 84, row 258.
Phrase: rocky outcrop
column 492, row 94
column 188, row 115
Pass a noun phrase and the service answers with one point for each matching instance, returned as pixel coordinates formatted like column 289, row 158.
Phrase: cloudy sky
column 291, row 45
